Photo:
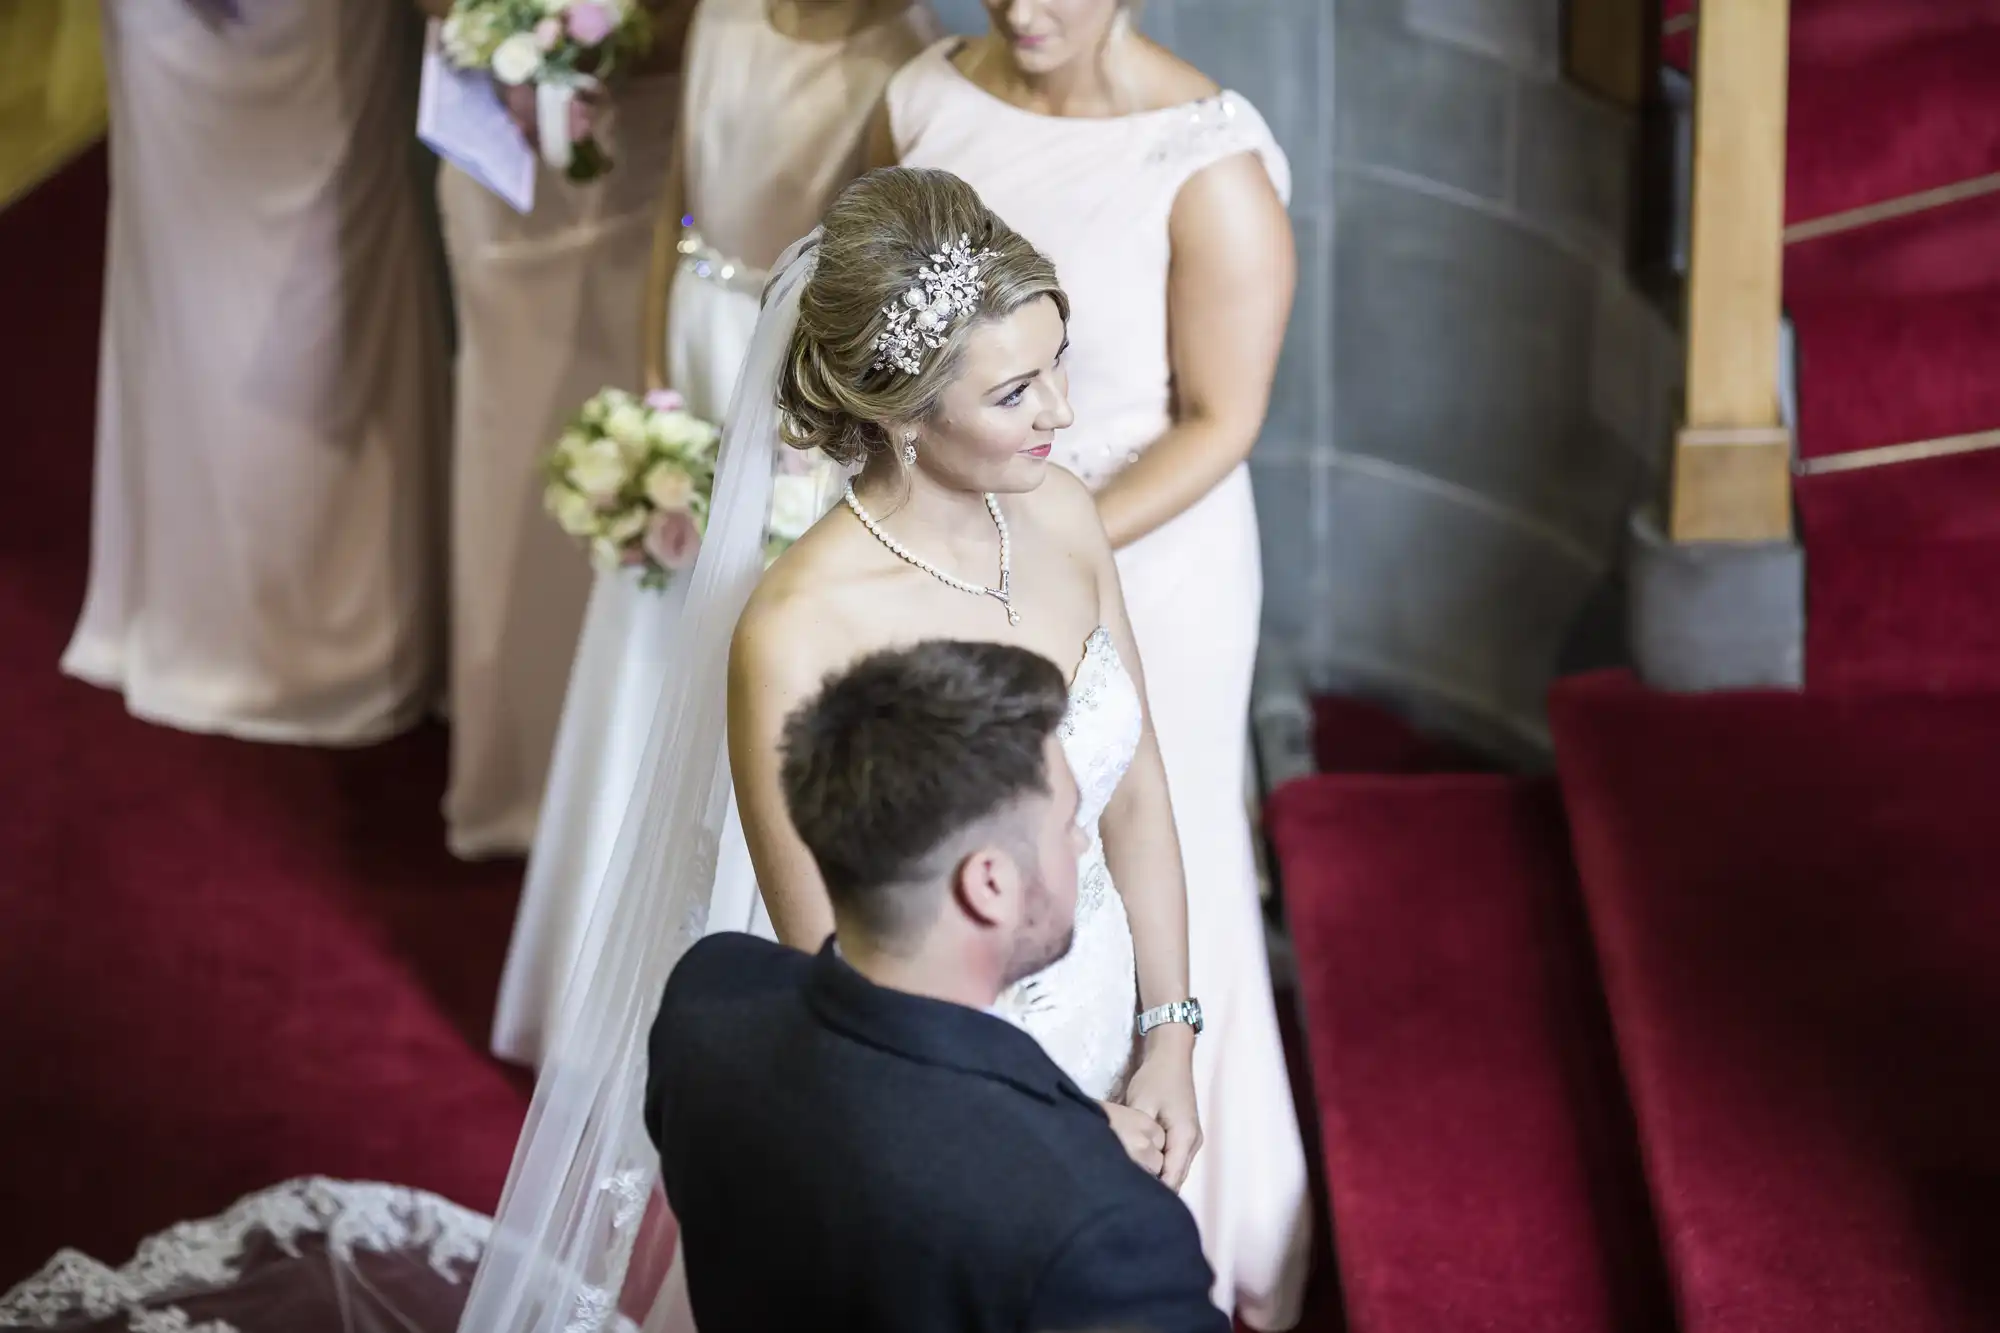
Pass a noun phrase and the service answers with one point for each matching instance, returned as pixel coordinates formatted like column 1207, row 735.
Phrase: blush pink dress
column 1095, row 196
column 264, row 558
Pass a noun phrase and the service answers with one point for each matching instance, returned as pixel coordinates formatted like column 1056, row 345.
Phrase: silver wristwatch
column 1180, row 1011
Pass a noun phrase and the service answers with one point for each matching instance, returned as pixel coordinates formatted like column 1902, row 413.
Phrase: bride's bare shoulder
column 801, row 617
column 1063, row 504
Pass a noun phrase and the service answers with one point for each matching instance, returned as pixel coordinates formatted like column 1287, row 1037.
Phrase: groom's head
column 930, row 788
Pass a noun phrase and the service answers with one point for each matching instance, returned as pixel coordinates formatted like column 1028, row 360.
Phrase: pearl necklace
column 1002, row 594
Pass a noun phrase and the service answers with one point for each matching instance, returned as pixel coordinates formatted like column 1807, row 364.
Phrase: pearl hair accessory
column 947, row 290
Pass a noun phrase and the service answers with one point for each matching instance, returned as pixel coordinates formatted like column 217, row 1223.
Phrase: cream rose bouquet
column 795, row 492
column 630, row 479
column 564, row 49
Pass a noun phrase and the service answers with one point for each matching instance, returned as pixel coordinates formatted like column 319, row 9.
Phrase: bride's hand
column 1145, row 1142
column 1163, row 1088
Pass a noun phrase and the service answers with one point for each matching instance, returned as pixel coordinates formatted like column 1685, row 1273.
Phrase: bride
column 919, row 338
column 958, row 527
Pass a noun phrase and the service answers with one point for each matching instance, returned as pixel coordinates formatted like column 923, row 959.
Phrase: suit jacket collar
column 934, row 1032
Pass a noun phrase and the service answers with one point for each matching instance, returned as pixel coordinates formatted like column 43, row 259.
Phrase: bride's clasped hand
column 1161, row 1094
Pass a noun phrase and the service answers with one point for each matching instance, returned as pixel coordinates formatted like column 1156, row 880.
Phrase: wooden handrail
column 1732, row 456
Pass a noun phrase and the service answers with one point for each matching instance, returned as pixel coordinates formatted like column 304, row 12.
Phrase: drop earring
column 910, row 449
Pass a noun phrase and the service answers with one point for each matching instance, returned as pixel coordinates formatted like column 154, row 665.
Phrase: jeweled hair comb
column 947, row 290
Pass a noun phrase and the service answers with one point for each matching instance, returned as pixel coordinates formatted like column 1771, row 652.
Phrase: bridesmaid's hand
column 522, row 109
column 1163, row 1088
column 1145, row 1142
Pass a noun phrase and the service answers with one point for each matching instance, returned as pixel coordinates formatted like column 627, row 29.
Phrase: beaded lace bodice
column 1081, row 1008
column 1102, row 729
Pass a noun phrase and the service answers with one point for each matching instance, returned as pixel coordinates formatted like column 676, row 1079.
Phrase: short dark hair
column 907, row 748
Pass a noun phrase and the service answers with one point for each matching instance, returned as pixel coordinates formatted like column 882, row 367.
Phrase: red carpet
column 222, row 964
column 1352, row 735
column 1898, row 325
column 1480, row 1162
column 1795, row 909
column 1888, row 97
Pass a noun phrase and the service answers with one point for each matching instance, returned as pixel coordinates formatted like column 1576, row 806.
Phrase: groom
column 853, row 1141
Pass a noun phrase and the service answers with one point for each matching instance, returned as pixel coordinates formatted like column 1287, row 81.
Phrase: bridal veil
column 584, row 1172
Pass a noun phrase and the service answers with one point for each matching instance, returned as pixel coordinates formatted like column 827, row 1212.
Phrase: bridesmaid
column 1161, row 200
column 262, row 560
column 777, row 99
column 546, row 306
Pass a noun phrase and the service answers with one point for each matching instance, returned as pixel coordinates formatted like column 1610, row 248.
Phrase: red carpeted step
column 1795, row 908
column 1840, row 31
column 1887, row 118
column 1852, row 31
column 1479, row 1165
column 1898, row 328
column 1354, row 735
column 206, row 967
column 1904, row 576
column 1677, row 19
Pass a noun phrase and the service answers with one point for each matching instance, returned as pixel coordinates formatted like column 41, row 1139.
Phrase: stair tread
column 1898, row 328
column 1460, row 1056
column 1792, row 896
column 1913, row 117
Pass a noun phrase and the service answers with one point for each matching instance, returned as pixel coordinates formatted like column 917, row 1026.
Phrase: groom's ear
column 987, row 886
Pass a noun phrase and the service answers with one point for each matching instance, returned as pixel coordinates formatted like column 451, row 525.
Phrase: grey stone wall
column 1471, row 396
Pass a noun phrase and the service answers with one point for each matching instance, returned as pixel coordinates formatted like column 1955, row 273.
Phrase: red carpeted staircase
column 1480, row 1164
column 1892, row 279
column 221, row 965
column 1794, row 899
column 1790, row 968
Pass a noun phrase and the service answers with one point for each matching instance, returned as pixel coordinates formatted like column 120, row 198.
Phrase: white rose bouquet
column 630, row 478
column 795, row 492
column 562, row 48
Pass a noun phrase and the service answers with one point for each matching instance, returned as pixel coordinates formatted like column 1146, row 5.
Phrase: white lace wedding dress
column 323, row 1256
column 1083, row 1007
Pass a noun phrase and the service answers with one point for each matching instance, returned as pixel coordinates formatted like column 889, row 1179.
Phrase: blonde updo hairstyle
column 877, row 235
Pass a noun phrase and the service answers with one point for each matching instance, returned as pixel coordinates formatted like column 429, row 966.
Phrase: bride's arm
column 768, row 678
column 1229, row 296
column 1143, row 851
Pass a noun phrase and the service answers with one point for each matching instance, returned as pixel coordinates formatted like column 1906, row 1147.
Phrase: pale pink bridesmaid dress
column 1095, row 196
column 265, row 551
column 548, row 314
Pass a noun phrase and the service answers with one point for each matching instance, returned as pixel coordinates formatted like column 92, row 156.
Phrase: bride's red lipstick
column 1039, row 451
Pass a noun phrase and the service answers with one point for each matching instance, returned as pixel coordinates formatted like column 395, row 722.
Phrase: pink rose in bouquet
column 673, row 539
column 589, row 22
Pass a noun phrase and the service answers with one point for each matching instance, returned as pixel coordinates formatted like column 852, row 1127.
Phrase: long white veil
column 584, row 1171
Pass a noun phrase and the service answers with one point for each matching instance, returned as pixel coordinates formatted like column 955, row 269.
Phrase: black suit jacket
column 842, row 1156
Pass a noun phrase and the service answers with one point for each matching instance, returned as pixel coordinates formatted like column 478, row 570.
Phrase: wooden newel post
column 1732, row 456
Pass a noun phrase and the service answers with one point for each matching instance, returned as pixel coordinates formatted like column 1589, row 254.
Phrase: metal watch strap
column 1186, row 1011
